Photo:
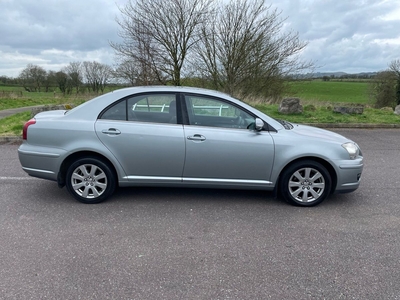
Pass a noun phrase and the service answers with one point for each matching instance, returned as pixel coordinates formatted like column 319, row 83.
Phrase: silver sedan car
column 185, row 137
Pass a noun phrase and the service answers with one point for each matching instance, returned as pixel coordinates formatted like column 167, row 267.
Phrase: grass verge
column 317, row 97
column 321, row 114
column 12, row 125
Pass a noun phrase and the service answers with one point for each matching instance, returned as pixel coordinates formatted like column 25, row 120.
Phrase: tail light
column 25, row 129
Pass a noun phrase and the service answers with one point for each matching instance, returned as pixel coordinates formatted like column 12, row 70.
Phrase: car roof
column 166, row 88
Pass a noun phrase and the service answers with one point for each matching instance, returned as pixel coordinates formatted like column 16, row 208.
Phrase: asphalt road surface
column 153, row 243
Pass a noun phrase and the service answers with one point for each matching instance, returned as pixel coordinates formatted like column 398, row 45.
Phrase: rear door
column 142, row 133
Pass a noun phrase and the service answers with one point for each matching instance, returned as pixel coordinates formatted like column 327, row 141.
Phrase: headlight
column 352, row 149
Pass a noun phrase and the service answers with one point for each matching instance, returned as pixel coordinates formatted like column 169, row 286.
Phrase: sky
column 349, row 36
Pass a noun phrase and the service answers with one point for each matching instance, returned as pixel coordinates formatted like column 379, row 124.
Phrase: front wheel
column 305, row 183
column 90, row 180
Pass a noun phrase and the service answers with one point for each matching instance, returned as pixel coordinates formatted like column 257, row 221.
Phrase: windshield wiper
column 286, row 124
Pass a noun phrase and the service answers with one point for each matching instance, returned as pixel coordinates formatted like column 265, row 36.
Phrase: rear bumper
column 39, row 161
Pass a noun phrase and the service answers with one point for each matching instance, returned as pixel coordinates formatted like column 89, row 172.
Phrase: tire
column 90, row 180
column 305, row 183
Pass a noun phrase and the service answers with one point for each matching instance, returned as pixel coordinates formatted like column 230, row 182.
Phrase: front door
column 220, row 149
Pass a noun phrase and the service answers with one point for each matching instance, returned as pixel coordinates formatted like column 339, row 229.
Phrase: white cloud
column 349, row 36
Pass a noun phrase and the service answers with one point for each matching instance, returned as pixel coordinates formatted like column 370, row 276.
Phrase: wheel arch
column 323, row 162
column 80, row 154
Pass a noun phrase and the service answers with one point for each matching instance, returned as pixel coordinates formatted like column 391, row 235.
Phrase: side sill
column 30, row 170
column 188, row 180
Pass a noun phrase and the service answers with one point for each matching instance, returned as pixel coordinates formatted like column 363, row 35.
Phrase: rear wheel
column 90, row 180
column 305, row 183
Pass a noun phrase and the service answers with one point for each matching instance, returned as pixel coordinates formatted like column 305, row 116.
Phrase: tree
column 326, row 78
column 158, row 35
column 97, row 75
column 137, row 72
column 32, row 77
column 8, row 80
column 64, row 82
column 127, row 71
column 74, row 72
column 50, row 80
column 394, row 66
column 383, row 89
column 244, row 51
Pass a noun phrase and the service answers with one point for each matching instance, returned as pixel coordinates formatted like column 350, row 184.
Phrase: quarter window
column 115, row 112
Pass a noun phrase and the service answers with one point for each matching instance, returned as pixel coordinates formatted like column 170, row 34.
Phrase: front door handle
column 111, row 131
column 197, row 138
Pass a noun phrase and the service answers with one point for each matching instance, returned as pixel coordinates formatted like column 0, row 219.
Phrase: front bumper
column 349, row 175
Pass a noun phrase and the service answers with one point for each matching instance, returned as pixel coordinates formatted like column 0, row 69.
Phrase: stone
column 397, row 110
column 349, row 109
column 290, row 106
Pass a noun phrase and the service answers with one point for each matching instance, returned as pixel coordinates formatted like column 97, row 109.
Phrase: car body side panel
column 292, row 146
column 51, row 141
column 147, row 151
column 228, row 156
column 41, row 162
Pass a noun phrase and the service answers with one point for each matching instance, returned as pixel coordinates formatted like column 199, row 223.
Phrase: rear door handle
column 197, row 137
column 111, row 131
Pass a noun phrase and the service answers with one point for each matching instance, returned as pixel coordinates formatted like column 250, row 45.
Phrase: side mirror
column 259, row 124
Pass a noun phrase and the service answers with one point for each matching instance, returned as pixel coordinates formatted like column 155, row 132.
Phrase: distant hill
column 337, row 75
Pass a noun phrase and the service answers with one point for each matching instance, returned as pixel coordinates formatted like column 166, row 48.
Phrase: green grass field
column 322, row 114
column 329, row 91
column 315, row 91
column 13, row 125
column 13, row 98
column 318, row 98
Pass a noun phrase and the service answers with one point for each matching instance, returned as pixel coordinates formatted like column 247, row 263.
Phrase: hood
column 318, row 133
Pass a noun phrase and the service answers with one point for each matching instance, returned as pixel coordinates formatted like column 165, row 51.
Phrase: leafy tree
column 394, row 66
column 326, row 78
column 383, row 89
column 32, row 77
column 8, row 80
column 64, row 83
column 50, row 80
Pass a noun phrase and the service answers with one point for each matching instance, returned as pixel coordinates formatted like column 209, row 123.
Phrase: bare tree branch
column 97, row 75
column 158, row 35
column 244, row 51
column 74, row 71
